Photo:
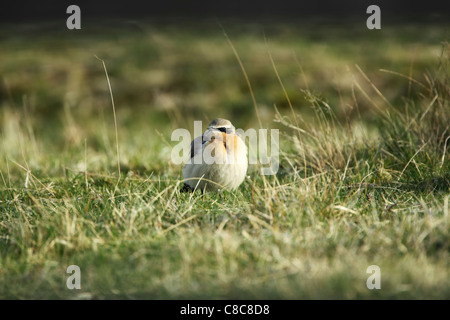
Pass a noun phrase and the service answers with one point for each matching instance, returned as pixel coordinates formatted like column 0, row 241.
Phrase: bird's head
column 222, row 125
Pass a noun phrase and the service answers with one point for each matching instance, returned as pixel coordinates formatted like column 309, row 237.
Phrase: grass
column 364, row 173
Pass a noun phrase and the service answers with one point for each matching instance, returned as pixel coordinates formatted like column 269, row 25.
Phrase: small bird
column 218, row 159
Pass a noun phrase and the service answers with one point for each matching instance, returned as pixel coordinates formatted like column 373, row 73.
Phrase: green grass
column 364, row 173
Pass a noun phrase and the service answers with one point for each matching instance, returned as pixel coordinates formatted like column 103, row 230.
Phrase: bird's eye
column 222, row 129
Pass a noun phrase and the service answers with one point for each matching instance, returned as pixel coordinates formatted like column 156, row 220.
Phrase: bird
column 218, row 159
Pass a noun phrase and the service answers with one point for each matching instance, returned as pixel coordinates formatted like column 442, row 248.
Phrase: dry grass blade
column 245, row 76
column 406, row 77
column 115, row 119
column 373, row 86
column 281, row 82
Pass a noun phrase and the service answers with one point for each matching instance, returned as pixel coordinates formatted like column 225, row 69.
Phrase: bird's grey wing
column 196, row 146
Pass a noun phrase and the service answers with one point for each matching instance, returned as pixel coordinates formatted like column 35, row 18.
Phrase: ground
column 364, row 173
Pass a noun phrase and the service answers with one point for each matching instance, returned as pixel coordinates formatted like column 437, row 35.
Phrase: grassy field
column 364, row 178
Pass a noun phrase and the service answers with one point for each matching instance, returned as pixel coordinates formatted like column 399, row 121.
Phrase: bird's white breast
column 226, row 172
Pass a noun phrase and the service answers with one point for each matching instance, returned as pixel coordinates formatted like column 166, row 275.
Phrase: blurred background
column 170, row 63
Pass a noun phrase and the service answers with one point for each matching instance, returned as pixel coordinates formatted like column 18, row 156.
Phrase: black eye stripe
column 226, row 130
